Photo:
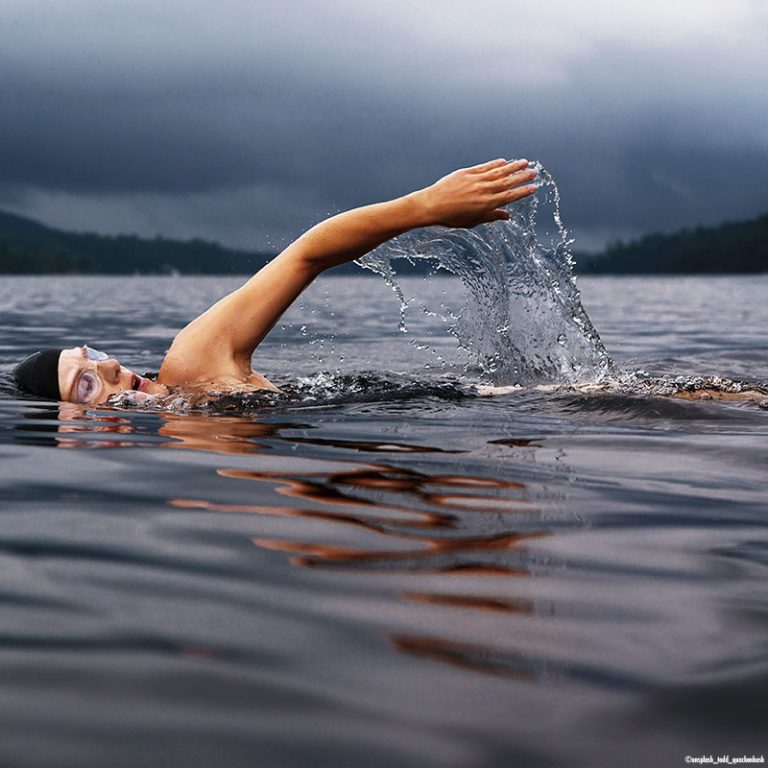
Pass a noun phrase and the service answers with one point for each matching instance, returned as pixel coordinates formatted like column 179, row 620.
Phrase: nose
column 110, row 370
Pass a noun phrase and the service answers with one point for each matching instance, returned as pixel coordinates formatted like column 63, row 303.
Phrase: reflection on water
column 68, row 425
column 219, row 434
column 504, row 605
column 445, row 548
column 475, row 658
column 420, row 524
column 415, row 522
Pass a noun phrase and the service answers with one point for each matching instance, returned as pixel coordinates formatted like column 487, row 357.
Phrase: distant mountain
column 28, row 247
column 734, row 247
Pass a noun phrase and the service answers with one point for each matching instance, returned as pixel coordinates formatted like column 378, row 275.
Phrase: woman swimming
column 213, row 352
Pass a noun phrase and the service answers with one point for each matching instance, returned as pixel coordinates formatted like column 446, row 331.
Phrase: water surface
column 390, row 570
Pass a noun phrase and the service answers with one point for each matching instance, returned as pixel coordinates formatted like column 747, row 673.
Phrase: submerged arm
column 236, row 325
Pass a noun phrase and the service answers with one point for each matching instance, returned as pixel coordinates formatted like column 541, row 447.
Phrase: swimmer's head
column 39, row 374
column 78, row 375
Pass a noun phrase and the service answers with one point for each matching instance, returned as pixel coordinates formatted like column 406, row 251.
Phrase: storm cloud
column 245, row 122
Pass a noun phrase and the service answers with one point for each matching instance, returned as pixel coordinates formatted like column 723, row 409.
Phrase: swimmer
column 213, row 353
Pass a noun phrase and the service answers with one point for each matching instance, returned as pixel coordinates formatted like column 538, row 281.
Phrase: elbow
column 303, row 261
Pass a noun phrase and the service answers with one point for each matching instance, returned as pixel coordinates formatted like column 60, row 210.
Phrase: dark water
column 392, row 572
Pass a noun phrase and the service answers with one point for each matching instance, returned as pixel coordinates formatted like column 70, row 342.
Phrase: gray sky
column 245, row 122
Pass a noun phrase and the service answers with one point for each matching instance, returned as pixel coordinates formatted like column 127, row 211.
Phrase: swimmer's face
column 87, row 376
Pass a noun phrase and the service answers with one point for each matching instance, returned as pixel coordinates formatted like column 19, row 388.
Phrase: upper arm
column 236, row 324
column 239, row 322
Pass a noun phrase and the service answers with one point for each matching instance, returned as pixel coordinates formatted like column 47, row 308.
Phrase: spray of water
column 523, row 321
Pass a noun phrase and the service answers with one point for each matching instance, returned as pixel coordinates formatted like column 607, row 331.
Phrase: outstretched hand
column 472, row 196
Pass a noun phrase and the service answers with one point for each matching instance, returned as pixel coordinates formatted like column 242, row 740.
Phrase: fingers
column 513, row 195
column 502, row 171
column 489, row 166
column 510, row 179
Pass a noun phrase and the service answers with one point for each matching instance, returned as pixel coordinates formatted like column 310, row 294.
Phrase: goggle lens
column 88, row 387
column 88, row 384
column 94, row 354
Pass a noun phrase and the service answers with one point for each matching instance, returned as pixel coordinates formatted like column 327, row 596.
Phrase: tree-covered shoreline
column 28, row 247
column 729, row 248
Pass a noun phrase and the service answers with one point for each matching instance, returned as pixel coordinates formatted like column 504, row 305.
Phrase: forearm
column 352, row 234
column 464, row 198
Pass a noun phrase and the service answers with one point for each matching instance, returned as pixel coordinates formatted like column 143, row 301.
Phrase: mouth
column 137, row 383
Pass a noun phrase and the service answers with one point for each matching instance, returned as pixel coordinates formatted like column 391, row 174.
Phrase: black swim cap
column 39, row 374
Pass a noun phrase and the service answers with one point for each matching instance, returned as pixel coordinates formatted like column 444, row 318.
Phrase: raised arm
column 236, row 324
column 464, row 198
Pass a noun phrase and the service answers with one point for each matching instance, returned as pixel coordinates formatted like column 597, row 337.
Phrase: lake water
column 386, row 570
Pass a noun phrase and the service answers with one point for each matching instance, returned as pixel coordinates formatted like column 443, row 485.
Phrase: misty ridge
column 29, row 247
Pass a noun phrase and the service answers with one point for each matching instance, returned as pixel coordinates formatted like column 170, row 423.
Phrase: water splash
column 703, row 387
column 523, row 321
column 324, row 388
column 319, row 389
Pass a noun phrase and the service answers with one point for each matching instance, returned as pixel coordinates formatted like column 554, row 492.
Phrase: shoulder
column 197, row 357
column 196, row 363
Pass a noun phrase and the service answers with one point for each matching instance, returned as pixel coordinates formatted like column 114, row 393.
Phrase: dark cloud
column 246, row 123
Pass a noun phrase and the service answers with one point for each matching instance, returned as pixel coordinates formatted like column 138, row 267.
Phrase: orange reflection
column 217, row 434
column 424, row 512
column 70, row 425
column 477, row 658
column 475, row 603
column 327, row 554
column 366, row 517
column 73, row 426
column 416, row 524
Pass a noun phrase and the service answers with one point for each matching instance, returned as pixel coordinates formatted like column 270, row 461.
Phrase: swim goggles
column 88, row 384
